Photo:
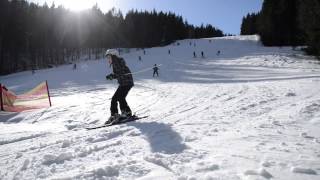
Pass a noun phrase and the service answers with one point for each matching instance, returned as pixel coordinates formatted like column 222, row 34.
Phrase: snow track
column 250, row 113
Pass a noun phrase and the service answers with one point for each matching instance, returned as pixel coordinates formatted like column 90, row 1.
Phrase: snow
column 303, row 170
column 260, row 172
column 252, row 112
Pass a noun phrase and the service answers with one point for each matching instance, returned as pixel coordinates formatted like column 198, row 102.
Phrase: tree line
column 34, row 36
column 286, row 23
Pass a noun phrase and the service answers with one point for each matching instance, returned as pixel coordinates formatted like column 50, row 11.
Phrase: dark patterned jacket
column 121, row 72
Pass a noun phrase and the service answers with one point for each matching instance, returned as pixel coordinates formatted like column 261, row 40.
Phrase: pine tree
column 309, row 15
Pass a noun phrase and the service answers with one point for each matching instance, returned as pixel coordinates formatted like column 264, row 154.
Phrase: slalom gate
column 36, row 98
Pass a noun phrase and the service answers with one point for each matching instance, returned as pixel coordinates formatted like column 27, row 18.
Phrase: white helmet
column 112, row 52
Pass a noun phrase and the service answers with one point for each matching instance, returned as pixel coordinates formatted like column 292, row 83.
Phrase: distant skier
column 144, row 52
column 194, row 54
column 218, row 53
column 122, row 73
column 74, row 66
column 155, row 70
column 202, row 54
column 169, row 52
column 140, row 59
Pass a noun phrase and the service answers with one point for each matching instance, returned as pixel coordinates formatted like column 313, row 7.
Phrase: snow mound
column 303, row 170
column 261, row 172
column 49, row 159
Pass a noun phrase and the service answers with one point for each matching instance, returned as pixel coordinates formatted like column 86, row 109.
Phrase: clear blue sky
column 223, row 14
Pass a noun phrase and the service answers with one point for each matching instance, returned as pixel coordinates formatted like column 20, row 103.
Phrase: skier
column 33, row 70
column 202, row 54
column 155, row 70
column 194, row 54
column 218, row 53
column 74, row 66
column 122, row 73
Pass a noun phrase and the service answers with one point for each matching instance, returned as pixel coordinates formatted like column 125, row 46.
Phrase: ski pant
column 120, row 96
column 155, row 72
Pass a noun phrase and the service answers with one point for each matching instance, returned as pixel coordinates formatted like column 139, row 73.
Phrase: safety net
column 36, row 98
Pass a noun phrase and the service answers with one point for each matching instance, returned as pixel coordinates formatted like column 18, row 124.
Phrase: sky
column 223, row 14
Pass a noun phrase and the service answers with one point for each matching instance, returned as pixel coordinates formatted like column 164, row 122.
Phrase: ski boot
column 113, row 119
column 125, row 114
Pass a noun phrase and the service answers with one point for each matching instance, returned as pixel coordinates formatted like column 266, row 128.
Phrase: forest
column 286, row 23
column 34, row 36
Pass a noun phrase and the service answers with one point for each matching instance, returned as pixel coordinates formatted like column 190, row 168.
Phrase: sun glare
column 78, row 5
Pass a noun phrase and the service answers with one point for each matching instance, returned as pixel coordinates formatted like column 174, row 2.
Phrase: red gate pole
column 1, row 97
column 48, row 93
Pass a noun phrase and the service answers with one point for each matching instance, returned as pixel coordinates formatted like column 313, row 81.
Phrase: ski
column 122, row 121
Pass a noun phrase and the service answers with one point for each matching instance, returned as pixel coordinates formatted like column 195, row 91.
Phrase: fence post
column 48, row 93
column 1, row 102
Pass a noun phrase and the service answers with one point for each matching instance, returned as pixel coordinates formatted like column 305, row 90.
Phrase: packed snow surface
column 250, row 112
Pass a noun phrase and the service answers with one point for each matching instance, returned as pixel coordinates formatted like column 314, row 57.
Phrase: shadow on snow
column 162, row 137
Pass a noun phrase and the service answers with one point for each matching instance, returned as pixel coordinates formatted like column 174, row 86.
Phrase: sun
column 78, row 5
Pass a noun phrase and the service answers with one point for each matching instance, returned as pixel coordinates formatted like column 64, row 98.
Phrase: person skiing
column 155, row 70
column 122, row 73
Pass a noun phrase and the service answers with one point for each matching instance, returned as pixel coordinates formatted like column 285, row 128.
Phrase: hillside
column 251, row 112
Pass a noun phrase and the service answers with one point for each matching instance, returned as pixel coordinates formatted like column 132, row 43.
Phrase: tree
column 309, row 15
column 249, row 24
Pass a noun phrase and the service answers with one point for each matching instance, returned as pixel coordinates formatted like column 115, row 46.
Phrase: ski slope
column 252, row 112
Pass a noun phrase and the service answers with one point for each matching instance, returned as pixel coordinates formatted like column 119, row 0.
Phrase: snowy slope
column 250, row 113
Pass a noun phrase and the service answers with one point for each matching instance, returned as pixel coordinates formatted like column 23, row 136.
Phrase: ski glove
column 110, row 76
